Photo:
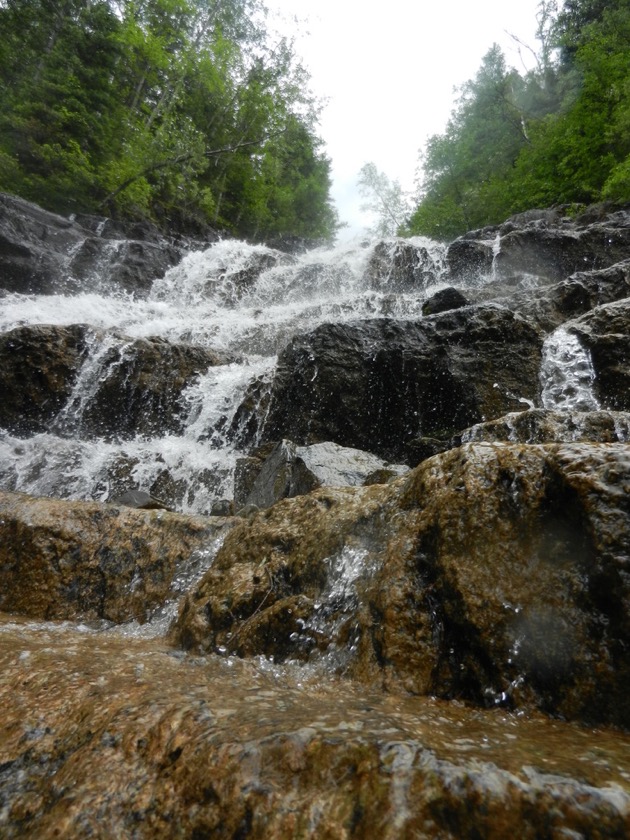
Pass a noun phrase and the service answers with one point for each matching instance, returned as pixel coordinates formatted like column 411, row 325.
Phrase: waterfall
column 567, row 374
column 243, row 300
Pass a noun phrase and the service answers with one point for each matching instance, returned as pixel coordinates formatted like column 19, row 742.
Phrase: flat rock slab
column 106, row 736
column 291, row 470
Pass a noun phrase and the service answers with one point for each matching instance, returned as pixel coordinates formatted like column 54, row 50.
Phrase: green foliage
column 559, row 134
column 167, row 109
column 385, row 199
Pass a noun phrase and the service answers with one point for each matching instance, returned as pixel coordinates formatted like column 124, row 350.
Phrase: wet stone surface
column 132, row 739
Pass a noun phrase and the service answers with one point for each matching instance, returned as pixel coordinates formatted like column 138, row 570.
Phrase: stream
column 217, row 299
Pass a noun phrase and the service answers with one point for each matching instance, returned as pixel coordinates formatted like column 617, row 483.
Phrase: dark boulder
column 380, row 385
column 550, row 306
column 137, row 387
column 95, row 383
column 34, row 247
column 552, row 254
column 402, row 266
column 469, row 260
column 126, row 264
column 44, row 253
column 605, row 332
column 38, row 368
column 442, row 301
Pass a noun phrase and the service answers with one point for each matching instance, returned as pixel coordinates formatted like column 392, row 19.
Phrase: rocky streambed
column 332, row 544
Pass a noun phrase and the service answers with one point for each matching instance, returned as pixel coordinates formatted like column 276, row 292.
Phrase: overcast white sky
column 388, row 70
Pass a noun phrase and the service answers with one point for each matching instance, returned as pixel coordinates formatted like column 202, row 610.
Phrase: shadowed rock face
column 540, row 247
column 401, row 266
column 605, row 331
column 43, row 253
column 38, row 368
column 550, row 306
column 380, row 385
column 135, row 385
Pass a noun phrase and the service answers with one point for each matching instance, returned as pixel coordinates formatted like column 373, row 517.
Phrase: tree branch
column 177, row 161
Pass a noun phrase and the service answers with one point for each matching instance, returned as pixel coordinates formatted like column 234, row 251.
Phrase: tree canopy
column 187, row 112
column 559, row 134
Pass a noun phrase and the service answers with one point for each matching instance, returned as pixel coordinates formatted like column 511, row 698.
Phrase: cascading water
column 125, row 693
column 567, row 374
column 244, row 300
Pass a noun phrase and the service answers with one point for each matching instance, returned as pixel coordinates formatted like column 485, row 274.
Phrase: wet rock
column 538, row 248
column 247, row 420
column 402, row 266
column 469, row 259
column 379, row 385
column 140, row 389
column 125, row 386
column 540, row 217
column 290, row 470
column 135, row 742
column 38, row 369
column 493, row 574
column 292, row 244
column 545, row 426
column 139, row 499
column 239, row 274
column 129, row 265
column 550, row 306
column 442, row 301
column 84, row 560
column 43, row 253
column 426, row 447
column 33, row 247
column 222, row 507
column 605, row 332
column 553, row 254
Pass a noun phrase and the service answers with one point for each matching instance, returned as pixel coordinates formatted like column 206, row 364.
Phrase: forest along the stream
column 246, row 303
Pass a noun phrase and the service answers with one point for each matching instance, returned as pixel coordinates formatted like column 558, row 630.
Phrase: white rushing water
column 235, row 298
column 567, row 374
column 218, row 299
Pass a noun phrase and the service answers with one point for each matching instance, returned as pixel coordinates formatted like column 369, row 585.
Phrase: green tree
column 385, row 199
column 59, row 111
column 466, row 167
column 559, row 134
column 166, row 109
column 580, row 152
